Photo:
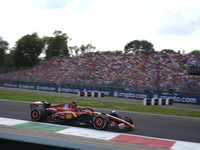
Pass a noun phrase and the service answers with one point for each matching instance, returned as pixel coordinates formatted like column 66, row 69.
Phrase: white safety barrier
column 91, row 94
column 156, row 101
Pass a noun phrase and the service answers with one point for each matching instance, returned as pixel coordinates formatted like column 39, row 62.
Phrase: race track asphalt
column 161, row 126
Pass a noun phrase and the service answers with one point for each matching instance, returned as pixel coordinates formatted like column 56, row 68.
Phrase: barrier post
column 89, row 94
column 156, row 101
column 163, row 101
column 152, row 101
column 102, row 94
column 167, row 101
column 145, row 101
column 96, row 94
column 160, row 101
column 170, row 101
column 85, row 94
column 148, row 101
column 81, row 93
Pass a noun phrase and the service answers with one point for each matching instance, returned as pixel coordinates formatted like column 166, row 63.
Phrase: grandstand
column 156, row 73
column 194, row 65
column 194, row 70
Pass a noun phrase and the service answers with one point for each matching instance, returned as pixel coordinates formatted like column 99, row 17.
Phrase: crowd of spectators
column 163, row 71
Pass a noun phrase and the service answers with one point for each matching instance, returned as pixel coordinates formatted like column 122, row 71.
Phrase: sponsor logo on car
column 68, row 116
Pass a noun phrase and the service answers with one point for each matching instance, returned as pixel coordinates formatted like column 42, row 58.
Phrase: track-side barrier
column 91, row 94
column 156, row 101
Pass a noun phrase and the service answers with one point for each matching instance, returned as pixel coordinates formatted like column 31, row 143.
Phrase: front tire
column 37, row 114
column 100, row 122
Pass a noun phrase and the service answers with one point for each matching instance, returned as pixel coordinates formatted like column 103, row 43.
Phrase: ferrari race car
column 70, row 114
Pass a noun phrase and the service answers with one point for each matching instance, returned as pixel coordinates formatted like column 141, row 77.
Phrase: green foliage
column 139, row 47
column 168, row 51
column 56, row 45
column 117, row 52
column 27, row 50
column 76, row 50
column 86, row 49
column 9, row 58
column 3, row 48
column 83, row 49
column 195, row 52
column 157, row 52
column 112, row 52
column 90, row 48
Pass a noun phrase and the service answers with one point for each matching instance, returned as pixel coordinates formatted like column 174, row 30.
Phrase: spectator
column 136, row 71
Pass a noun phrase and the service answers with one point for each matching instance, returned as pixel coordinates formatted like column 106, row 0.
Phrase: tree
column 27, row 50
column 112, row 52
column 117, row 52
column 48, row 43
column 9, row 58
column 90, row 48
column 168, row 51
column 74, row 49
column 139, row 47
column 195, row 52
column 3, row 48
column 97, row 53
column 83, row 49
column 57, row 45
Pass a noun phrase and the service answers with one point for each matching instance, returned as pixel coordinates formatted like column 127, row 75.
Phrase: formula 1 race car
column 70, row 114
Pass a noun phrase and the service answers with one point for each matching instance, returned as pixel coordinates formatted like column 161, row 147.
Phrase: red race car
column 72, row 115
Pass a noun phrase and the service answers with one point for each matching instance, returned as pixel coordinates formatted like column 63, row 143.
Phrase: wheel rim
column 99, row 122
column 35, row 114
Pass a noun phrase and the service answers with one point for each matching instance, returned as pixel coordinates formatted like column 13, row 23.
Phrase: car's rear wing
column 42, row 104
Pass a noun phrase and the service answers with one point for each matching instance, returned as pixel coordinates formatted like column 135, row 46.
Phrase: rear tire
column 37, row 114
column 100, row 122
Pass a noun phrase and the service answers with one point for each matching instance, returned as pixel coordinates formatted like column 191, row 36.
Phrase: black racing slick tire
column 100, row 122
column 37, row 114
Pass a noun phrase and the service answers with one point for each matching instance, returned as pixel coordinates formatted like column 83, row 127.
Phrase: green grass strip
column 30, row 97
column 42, row 127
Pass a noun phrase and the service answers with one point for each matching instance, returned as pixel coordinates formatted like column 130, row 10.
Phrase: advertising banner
column 23, row 86
column 46, row 88
column 123, row 94
column 10, row 85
